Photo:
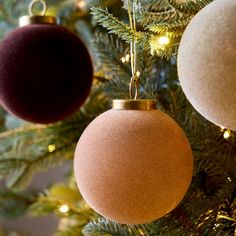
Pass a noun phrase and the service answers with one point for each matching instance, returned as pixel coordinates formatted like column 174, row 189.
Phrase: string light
column 227, row 134
column 158, row 43
column 51, row 147
column 163, row 40
column 123, row 59
column 80, row 4
column 64, row 208
column 126, row 58
column 216, row 226
column 138, row 73
column 229, row 179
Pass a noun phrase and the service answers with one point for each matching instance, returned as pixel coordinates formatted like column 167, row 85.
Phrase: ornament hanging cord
column 134, row 82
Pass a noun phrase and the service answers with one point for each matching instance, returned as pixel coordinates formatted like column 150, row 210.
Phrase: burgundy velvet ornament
column 45, row 72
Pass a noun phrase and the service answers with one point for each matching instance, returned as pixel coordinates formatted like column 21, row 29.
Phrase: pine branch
column 103, row 3
column 12, row 205
column 152, row 5
column 108, row 51
column 145, row 18
column 26, row 151
column 112, row 24
column 189, row 6
column 70, row 226
column 168, row 28
column 103, row 227
column 71, row 221
column 115, row 26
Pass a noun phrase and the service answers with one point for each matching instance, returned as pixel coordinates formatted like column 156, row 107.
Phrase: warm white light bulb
column 64, row 208
column 163, row 40
column 127, row 58
column 229, row 179
column 227, row 134
column 138, row 73
column 51, row 147
column 81, row 4
column 123, row 59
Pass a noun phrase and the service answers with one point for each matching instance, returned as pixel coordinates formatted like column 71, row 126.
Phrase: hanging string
column 134, row 82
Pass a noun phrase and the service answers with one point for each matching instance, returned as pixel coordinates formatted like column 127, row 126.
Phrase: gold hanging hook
column 134, row 87
column 34, row 18
column 32, row 5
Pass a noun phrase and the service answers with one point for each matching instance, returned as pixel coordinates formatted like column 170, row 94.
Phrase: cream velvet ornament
column 133, row 164
column 207, row 62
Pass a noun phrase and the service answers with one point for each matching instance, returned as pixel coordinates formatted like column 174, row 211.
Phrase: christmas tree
column 104, row 26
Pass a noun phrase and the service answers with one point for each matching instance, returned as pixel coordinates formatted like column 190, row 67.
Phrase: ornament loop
column 134, row 87
column 32, row 4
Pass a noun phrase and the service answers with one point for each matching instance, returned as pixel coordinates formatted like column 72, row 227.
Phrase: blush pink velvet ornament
column 133, row 165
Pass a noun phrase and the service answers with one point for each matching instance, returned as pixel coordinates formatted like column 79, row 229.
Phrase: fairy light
column 80, row 4
column 138, row 73
column 229, row 179
column 64, row 208
column 123, row 59
column 216, row 225
column 126, row 58
column 227, row 134
column 51, row 147
column 163, row 40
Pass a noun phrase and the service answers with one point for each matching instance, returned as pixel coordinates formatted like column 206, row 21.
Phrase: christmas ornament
column 45, row 70
column 206, row 62
column 133, row 164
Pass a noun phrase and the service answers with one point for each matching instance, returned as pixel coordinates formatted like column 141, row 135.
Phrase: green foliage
column 209, row 207
column 71, row 226
column 71, row 222
column 12, row 205
column 25, row 151
column 104, row 227
column 165, row 18
column 189, row 5
column 115, row 26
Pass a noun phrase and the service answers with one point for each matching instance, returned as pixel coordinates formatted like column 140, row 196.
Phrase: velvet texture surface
column 133, row 167
column 207, row 63
column 45, row 73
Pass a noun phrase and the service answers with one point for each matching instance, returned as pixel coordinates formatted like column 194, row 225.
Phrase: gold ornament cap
column 137, row 104
column 37, row 19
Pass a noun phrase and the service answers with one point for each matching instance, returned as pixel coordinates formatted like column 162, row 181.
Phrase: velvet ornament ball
column 133, row 166
column 207, row 62
column 45, row 73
